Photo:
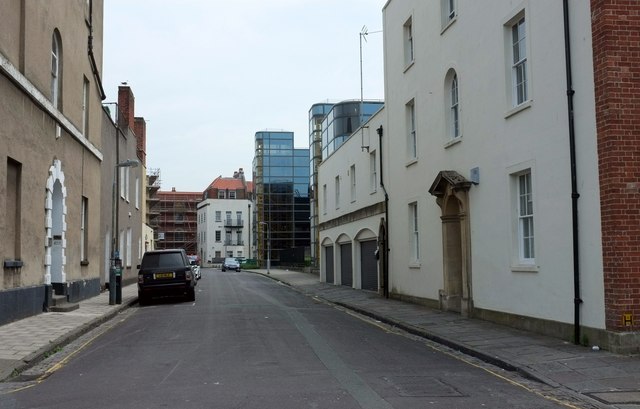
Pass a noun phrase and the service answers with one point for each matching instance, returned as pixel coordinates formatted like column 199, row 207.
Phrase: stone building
column 50, row 154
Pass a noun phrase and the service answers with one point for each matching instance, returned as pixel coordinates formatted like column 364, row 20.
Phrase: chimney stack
column 140, row 130
column 126, row 103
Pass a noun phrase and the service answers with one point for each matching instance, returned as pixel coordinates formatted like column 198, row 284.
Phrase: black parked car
column 230, row 263
column 165, row 272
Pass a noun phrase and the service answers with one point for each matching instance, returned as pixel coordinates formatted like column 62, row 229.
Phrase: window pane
column 525, row 212
column 516, row 50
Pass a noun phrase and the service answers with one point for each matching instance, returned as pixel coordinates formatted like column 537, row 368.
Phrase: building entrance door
column 452, row 195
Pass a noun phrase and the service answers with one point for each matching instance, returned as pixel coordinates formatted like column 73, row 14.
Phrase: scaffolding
column 177, row 220
column 153, row 186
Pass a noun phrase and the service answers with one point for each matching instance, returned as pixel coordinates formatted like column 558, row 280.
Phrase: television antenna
column 364, row 32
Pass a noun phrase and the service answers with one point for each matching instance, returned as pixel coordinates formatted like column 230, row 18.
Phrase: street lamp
column 115, row 254
column 268, row 247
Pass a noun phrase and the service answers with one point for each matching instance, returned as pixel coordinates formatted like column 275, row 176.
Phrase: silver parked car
column 195, row 266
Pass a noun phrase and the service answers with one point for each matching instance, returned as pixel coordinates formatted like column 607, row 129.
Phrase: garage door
column 328, row 260
column 369, row 265
column 345, row 265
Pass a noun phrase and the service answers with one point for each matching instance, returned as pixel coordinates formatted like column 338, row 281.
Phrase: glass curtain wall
column 317, row 113
column 281, row 175
column 343, row 119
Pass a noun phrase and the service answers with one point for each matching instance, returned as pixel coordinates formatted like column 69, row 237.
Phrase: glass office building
column 281, row 180
column 342, row 120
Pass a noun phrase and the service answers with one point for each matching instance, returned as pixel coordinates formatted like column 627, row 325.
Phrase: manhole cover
column 427, row 386
column 620, row 397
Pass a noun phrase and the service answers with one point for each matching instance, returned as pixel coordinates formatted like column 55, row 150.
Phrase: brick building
column 176, row 219
column 616, row 65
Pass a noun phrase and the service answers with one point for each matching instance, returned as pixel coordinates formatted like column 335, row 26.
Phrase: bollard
column 119, row 288
column 112, row 285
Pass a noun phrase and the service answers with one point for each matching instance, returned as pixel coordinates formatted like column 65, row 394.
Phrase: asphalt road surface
column 250, row 342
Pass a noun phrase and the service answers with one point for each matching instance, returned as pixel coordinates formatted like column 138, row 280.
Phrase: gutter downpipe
column 92, row 58
column 385, row 265
column 574, row 185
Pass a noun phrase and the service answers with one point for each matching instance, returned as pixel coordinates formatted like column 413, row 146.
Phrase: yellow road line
column 58, row 365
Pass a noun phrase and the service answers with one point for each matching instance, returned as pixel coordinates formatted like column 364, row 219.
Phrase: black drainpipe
column 574, row 184
column 385, row 249
column 92, row 58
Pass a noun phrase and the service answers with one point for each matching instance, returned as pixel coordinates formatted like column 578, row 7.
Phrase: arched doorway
column 451, row 297
column 451, row 191
column 55, row 229
column 56, row 232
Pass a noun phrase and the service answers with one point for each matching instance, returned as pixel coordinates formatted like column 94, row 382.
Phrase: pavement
column 28, row 341
column 598, row 377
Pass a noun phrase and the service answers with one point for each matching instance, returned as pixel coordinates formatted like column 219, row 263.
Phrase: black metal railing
column 233, row 222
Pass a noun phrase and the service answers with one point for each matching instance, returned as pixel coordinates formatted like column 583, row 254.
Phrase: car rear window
column 168, row 260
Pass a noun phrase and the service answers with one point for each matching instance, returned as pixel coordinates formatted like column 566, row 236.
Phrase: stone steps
column 59, row 303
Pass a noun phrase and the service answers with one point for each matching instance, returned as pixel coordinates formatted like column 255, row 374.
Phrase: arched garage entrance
column 369, row 265
column 367, row 261
column 346, row 265
column 345, row 260
column 327, row 259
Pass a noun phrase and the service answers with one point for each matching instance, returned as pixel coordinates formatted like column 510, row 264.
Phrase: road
column 250, row 342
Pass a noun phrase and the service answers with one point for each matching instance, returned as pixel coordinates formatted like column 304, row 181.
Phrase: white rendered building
column 224, row 220
column 480, row 161
column 512, row 195
column 352, row 211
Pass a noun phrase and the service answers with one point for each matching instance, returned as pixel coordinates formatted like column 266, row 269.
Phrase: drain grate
column 422, row 386
column 618, row 397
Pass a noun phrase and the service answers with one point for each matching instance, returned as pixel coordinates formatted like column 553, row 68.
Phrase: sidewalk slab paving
column 27, row 341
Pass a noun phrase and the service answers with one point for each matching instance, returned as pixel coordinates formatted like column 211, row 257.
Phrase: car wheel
column 191, row 294
column 142, row 300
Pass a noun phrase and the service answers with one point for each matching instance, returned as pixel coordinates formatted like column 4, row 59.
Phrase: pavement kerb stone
column 491, row 359
column 37, row 356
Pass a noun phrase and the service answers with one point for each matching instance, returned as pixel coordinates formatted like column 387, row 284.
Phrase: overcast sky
column 208, row 74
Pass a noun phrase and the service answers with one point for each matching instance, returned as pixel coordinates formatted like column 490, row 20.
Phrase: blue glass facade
column 281, row 177
column 342, row 120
